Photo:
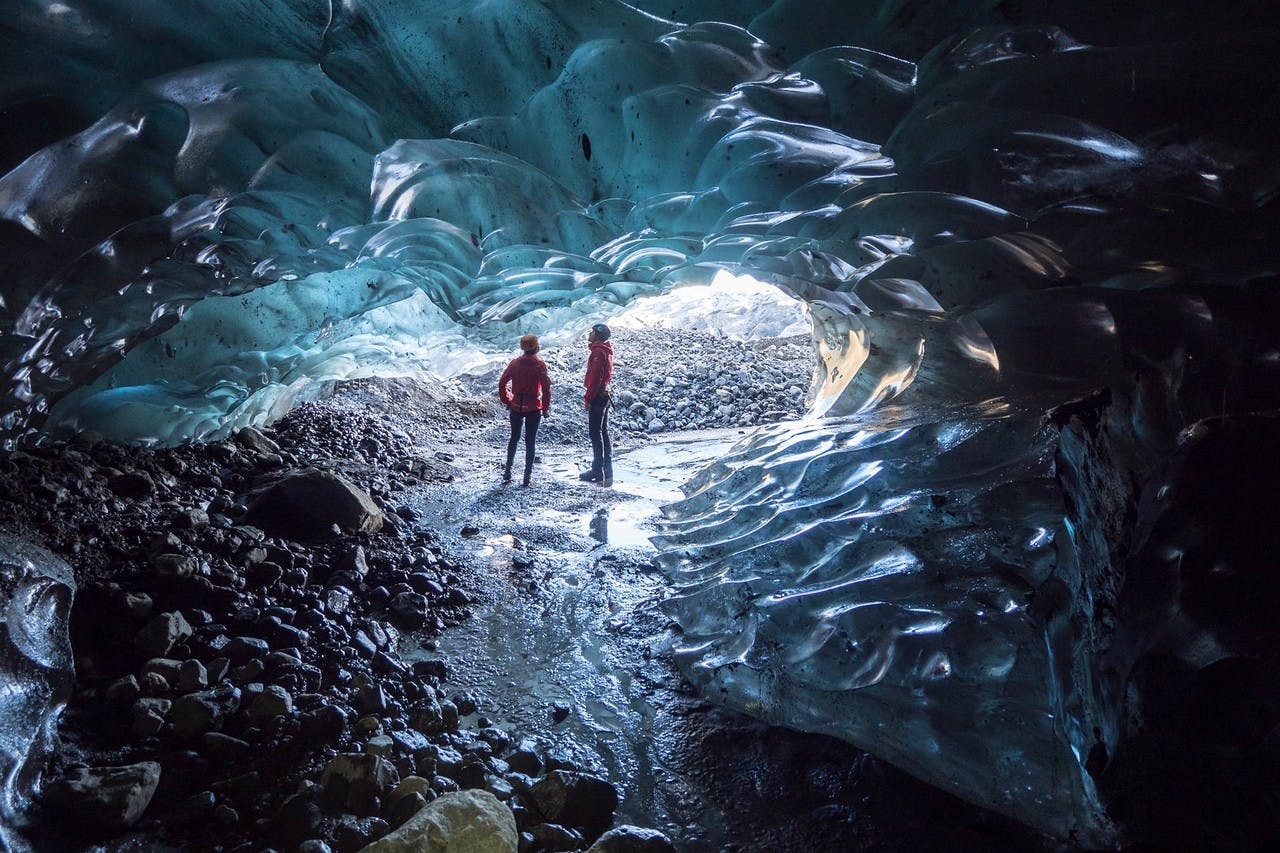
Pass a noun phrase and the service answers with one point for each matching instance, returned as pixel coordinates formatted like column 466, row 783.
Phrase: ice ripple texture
column 210, row 215
column 36, row 590
column 875, row 582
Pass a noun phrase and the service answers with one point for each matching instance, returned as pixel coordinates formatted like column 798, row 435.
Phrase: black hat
column 602, row 331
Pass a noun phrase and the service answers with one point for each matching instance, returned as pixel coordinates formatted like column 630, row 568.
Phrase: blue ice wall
column 199, row 223
column 990, row 209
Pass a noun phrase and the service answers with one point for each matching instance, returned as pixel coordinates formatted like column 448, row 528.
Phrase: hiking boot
column 606, row 473
column 591, row 475
column 527, row 474
column 506, row 474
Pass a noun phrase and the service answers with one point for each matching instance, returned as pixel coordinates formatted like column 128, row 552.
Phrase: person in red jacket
column 599, row 400
column 525, row 389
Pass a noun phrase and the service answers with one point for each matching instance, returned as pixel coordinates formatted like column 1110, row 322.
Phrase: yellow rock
column 460, row 822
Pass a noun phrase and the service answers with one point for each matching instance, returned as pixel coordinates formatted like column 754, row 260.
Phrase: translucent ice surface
column 36, row 589
column 210, row 209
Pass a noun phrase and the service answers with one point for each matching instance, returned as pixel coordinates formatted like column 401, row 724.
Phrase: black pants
column 598, row 429
column 531, row 421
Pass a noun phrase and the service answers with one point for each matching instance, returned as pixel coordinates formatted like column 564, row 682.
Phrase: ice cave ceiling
column 991, row 209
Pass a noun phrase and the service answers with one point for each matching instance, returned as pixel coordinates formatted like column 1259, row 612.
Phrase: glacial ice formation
column 990, row 210
column 36, row 590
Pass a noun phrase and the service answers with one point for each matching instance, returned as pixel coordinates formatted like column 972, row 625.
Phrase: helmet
column 602, row 331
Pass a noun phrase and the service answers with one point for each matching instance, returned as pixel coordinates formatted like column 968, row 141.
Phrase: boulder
column 632, row 839
column 253, row 439
column 577, row 800
column 553, row 838
column 460, row 822
column 175, row 566
column 132, row 484
column 197, row 713
column 308, row 503
column 161, row 634
column 149, row 715
column 358, row 783
column 105, row 797
column 273, row 701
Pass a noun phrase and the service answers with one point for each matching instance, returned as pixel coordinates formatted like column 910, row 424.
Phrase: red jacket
column 530, row 386
column 599, row 369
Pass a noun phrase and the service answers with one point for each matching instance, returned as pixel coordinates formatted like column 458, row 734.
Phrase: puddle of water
column 655, row 471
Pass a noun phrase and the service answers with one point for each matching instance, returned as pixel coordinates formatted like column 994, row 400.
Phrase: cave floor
column 569, row 646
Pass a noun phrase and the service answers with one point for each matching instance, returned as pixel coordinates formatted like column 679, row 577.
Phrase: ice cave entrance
column 733, row 306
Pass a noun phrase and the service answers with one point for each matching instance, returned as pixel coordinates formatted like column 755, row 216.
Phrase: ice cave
column 990, row 522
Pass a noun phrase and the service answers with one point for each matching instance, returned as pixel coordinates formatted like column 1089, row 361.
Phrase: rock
column 461, row 822
column 154, row 684
column 196, row 808
column 161, row 634
column 402, row 810
column 336, row 600
column 577, row 800
column 123, row 691
column 105, row 797
column 274, row 701
column 149, row 716
column 551, row 837
column 175, row 566
column 353, row 561
column 410, row 785
column 353, row 833
column 242, row 649
column 427, row 716
column 298, row 817
column 190, row 519
column 254, row 440
column 192, row 676
column 217, row 669
column 632, row 839
column 379, row 745
column 248, row 673
column 132, row 484
column 437, row 669
column 314, row 845
column 409, row 609
column 197, row 713
column 308, row 503
column 325, row 723
column 221, row 747
column 166, row 668
column 524, row 759
column 357, row 782
column 499, row 787
column 137, row 605
column 410, row 741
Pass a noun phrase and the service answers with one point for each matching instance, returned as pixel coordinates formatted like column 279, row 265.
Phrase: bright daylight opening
column 732, row 306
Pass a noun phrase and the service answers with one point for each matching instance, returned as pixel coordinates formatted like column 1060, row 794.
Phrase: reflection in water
column 600, row 526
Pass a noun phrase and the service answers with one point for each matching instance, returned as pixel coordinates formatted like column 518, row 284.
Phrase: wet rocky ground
column 298, row 638
column 237, row 630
